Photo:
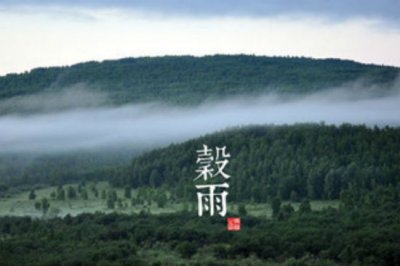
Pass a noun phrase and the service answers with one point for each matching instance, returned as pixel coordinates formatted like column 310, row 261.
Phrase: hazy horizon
column 56, row 33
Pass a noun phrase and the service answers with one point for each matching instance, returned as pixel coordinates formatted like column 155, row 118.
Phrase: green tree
column 60, row 193
column 84, row 194
column 71, row 192
column 110, row 203
column 186, row 249
column 53, row 195
column 32, row 195
column 305, row 206
column 276, row 206
column 45, row 205
column 154, row 179
column 161, row 199
column 103, row 194
column 128, row 192
column 286, row 211
column 242, row 210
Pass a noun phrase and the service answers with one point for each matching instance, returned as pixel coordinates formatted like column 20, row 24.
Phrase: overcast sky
column 48, row 33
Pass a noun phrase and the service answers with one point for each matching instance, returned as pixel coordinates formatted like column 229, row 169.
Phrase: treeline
column 34, row 170
column 365, row 235
column 188, row 80
column 313, row 161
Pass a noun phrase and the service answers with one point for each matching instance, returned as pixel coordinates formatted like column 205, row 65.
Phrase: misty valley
column 97, row 162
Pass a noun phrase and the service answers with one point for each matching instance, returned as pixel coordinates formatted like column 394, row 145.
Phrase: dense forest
column 283, row 167
column 363, row 235
column 188, row 79
column 18, row 170
column 312, row 161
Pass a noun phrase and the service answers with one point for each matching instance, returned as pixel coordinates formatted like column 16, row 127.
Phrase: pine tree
column 32, row 195
column 276, row 206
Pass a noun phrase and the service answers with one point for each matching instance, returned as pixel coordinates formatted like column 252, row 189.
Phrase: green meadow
column 19, row 204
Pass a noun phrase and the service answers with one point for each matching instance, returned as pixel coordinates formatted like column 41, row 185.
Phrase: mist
column 76, row 96
column 143, row 126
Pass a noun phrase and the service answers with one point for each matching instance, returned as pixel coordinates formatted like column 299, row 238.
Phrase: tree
column 332, row 185
column 53, row 195
column 286, row 211
column 154, row 179
column 305, row 206
column 32, row 195
column 112, row 197
column 103, row 194
column 112, row 194
column 294, row 197
column 242, row 210
column 128, row 192
column 186, row 249
column 71, row 192
column 45, row 205
column 276, row 206
column 161, row 199
column 3, row 187
column 110, row 203
column 60, row 193
column 120, row 203
column 95, row 191
column 84, row 194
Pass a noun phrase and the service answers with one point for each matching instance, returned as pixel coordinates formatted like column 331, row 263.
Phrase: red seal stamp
column 233, row 224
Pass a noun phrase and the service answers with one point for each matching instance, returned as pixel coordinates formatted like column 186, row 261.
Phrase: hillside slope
column 301, row 161
column 188, row 79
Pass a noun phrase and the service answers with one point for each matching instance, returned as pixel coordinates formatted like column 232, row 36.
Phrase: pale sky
column 53, row 33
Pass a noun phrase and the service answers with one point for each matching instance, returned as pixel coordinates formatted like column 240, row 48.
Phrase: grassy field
column 19, row 204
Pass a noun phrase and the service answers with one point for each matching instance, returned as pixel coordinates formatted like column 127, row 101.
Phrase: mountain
column 188, row 79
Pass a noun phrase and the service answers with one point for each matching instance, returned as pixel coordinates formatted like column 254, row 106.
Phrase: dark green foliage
column 95, row 191
column 186, row 249
column 63, row 168
column 53, row 195
column 45, row 205
column 285, row 212
column 160, row 199
column 305, row 206
column 71, row 192
column 312, row 161
column 110, row 203
column 242, row 210
column 128, row 192
column 276, row 206
column 32, row 195
column 84, row 194
column 3, row 190
column 112, row 194
column 103, row 194
column 60, row 193
column 3, row 187
column 112, row 199
column 366, row 235
column 188, row 80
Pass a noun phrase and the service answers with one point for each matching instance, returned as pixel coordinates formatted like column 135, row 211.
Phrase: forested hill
column 292, row 162
column 188, row 79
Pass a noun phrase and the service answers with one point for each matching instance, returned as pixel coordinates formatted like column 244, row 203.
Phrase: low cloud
column 154, row 124
column 76, row 96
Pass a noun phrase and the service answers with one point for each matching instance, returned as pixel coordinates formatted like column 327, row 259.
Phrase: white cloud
column 143, row 126
column 53, row 36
